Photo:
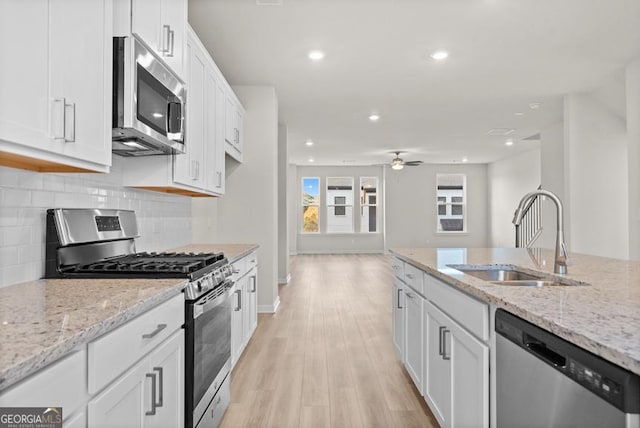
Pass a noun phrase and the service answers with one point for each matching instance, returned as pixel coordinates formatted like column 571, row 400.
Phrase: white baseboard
column 285, row 280
column 269, row 309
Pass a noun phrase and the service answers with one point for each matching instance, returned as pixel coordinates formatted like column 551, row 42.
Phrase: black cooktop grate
column 180, row 263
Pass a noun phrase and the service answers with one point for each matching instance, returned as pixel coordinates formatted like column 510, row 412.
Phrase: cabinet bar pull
column 57, row 118
column 410, row 276
column 440, row 351
column 70, row 122
column 160, row 385
column 253, row 279
column 444, row 345
column 154, row 332
column 239, row 293
column 166, row 30
column 399, row 291
column 153, row 394
column 171, row 39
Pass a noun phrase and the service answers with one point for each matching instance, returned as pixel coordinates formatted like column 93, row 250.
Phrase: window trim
column 449, row 207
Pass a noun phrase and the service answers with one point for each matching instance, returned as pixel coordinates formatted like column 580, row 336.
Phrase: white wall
column 336, row 242
column 292, row 190
column 410, row 207
column 248, row 212
column 283, row 212
column 598, row 188
column 509, row 180
column 164, row 220
column 633, row 135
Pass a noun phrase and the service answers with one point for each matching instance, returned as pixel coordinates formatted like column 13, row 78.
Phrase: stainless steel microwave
column 148, row 102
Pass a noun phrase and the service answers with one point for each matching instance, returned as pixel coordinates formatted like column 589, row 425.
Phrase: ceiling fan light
column 397, row 166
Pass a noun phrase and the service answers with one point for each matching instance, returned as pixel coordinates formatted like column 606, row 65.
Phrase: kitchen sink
column 511, row 276
column 500, row 275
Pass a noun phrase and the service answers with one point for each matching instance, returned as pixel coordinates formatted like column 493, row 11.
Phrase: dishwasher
column 545, row 381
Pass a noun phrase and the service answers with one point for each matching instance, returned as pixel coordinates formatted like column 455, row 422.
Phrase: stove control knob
column 199, row 285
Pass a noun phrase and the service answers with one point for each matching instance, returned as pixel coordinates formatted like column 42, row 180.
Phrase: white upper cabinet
column 161, row 25
column 55, row 109
column 234, row 114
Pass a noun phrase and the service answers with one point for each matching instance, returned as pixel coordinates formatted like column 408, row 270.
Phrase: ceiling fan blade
column 413, row 163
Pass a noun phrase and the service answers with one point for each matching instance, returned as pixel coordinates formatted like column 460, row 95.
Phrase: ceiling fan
column 397, row 163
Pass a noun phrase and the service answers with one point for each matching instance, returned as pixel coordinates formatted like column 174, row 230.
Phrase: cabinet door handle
column 409, row 276
column 160, row 385
column 171, row 40
column 398, row 304
column 57, row 118
column 239, row 293
column 166, row 35
column 153, row 394
column 70, row 122
column 254, row 280
column 444, row 345
column 441, row 329
column 154, row 332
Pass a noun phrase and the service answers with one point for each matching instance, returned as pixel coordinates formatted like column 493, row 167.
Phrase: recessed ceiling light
column 509, row 143
column 309, row 143
column 311, row 160
column 439, row 55
column 534, row 106
column 465, row 160
column 316, row 55
column 374, row 117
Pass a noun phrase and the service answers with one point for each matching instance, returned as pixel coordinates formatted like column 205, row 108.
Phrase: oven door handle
column 200, row 308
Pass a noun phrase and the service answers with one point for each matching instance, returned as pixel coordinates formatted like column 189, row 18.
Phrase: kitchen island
column 601, row 316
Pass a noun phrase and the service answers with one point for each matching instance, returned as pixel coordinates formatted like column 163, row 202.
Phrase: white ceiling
column 505, row 54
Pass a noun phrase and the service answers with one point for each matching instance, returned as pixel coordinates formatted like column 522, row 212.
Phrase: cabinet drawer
column 59, row 384
column 413, row 278
column 238, row 268
column 397, row 266
column 116, row 351
column 469, row 312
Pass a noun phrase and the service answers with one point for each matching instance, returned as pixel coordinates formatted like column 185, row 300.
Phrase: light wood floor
column 326, row 357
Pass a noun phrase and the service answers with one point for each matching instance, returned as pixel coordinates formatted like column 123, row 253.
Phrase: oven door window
column 152, row 101
column 212, row 346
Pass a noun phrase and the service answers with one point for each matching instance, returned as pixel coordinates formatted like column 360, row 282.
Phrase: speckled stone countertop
column 603, row 317
column 232, row 252
column 41, row 321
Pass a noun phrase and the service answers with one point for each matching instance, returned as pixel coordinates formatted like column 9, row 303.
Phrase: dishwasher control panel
column 614, row 384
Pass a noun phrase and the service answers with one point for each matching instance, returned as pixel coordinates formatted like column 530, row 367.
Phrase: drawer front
column 413, row 278
column 467, row 311
column 59, row 384
column 115, row 352
column 397, row 266
column 239, row 268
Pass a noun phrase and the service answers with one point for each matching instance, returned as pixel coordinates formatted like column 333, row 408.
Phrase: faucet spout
column 561, row 255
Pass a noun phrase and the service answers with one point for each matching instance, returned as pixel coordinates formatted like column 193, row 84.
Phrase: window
column 451, row 202
column 310, row 204
column 368, row 204
column 339, row 204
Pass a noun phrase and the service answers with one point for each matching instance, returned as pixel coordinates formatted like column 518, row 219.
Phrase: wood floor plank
column 326, row 358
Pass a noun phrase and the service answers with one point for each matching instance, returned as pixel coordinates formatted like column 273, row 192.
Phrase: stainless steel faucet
column 561, row 256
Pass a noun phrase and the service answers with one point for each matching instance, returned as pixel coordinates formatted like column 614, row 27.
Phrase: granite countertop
column 233, row 252
column 41, row 321
column 602, row 317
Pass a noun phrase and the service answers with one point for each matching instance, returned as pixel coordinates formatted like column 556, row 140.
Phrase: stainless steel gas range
column 100, row 243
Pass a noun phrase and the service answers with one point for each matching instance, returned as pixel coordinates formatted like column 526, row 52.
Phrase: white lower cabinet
column 456, row 381
column 244, row 304
column 413, row 360
column 151, row 394
column 397, row 320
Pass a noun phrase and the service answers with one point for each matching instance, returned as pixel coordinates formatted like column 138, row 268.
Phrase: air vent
column 500, row 131
column 269, row 2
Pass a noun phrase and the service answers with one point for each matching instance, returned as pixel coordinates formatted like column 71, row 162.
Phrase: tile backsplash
column 164, row 220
